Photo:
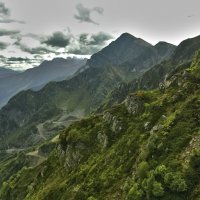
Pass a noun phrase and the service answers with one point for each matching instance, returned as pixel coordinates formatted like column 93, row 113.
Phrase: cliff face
column 144, row 148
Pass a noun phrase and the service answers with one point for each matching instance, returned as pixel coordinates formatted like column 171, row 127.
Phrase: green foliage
column 143, row 169
column 134, row 193
column 175, row 182
column 158, row 190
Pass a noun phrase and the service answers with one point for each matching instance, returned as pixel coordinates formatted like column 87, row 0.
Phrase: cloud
column 83, row 44
column 100, row 38
column 3, row 45
column 5, row 15
column 84, row 14
column 17, row 59
column 3, row 10
column 34, row 36
column 34, row 50
column 11, row 20
column 58, row 39
column 20, row 63
column 88, row 44
column 84, row 50
column 4, row 32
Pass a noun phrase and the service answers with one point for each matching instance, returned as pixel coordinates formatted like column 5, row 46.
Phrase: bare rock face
column 115, row 123
column 156, row 128
column 71, row 156
column 103, row 140
column 134, row 104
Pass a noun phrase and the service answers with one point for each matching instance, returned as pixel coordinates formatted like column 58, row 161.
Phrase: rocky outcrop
column 102, row 139
column 115, row 123
column 71, row 156
column 134, row 104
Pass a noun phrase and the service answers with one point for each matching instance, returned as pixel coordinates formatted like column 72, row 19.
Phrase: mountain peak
column 126, row 47
column 127, row 35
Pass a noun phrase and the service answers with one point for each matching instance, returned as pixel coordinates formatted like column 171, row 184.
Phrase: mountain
column 152, row 78
column 146, row 147
column 35, row 78
column 123, row 49
column 133, row 55
column 52, row 107
column 4, row 72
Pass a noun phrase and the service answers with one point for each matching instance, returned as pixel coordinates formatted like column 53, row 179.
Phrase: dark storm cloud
column 58, row 39
column 3, row 45
column 5, row 15
column 4, row 32
column 84, row 14
column 88, row 44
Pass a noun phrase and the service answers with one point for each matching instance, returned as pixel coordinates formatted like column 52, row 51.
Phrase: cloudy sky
column 34, row 30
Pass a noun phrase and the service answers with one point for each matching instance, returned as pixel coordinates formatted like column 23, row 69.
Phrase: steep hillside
column 35, row 78
column 50, row 109
column 147, row 147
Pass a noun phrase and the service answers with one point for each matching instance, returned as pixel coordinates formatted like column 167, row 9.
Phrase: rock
column 72, row 156
column 146, row 125
column 134, row 104
column 107, row 117
column 156, row 128
column 115, row 123
column 103, row 139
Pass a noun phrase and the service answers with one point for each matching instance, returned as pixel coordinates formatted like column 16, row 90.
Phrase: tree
column 158, row 190
column 143, row 168
column 175, row 181
column 135, row 193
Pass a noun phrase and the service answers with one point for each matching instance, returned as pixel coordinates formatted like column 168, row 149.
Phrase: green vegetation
column 144, row 148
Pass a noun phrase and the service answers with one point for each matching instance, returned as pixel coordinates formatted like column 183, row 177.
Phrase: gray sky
column 33, row 30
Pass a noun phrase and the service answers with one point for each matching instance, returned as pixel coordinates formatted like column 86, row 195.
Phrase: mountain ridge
column 37, row 77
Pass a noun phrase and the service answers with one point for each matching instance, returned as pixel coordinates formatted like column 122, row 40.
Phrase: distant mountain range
column 57, row 69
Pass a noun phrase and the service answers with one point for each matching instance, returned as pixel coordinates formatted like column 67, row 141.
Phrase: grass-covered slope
column 144, row 148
